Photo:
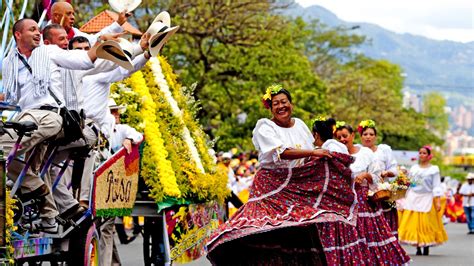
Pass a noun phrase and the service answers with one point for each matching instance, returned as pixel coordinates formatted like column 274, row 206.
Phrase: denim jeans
column 469, row 211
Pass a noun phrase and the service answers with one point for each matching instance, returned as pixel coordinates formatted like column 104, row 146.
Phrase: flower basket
column 381, row 195
column 398, row 194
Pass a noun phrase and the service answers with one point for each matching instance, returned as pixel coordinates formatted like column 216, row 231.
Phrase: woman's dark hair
column 365, row 128
column 325, row 129
column 346, row 126
column 282, row 91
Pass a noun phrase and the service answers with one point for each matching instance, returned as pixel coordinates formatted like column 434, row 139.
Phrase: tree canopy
column 233, row 50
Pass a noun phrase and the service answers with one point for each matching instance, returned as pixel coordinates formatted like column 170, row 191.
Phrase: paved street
column 458, row 251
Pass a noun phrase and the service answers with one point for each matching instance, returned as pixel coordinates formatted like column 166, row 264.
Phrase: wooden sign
column 115, row 184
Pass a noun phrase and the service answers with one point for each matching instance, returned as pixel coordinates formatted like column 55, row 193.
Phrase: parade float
column 180, row 174
column 171, row 178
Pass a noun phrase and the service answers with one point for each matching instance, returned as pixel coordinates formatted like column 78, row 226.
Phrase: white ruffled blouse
column 272, row 140
column 427, row 185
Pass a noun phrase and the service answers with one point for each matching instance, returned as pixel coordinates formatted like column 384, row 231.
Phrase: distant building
column 412, row 100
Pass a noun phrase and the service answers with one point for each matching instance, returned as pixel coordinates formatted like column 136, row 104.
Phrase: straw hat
column 121, row 5
column 470, row 176
column 119, row 52
column 113, row 105
column 160, row 31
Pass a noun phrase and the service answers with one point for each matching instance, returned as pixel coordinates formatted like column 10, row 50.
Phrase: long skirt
column 279, row 223
column 373, row 229
column 421, row 229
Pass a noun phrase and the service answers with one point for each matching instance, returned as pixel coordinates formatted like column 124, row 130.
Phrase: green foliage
column 434, row 110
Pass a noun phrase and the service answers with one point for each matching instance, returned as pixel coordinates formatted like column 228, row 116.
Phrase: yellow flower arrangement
column 10, row 227
column 165, row 128
column 158, row 153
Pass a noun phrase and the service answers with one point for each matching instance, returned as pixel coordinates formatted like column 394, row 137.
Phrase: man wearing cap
column 28, row 73
column 467, row 191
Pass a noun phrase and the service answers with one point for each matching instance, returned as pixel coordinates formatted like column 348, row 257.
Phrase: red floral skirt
column 279, row 223
column 375, row 232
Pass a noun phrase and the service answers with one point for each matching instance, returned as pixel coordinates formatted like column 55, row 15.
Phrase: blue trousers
column 469, row 211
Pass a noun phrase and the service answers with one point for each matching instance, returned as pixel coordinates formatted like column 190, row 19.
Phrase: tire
column 84, row 247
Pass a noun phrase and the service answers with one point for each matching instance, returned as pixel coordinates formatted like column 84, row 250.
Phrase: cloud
column 437, row 19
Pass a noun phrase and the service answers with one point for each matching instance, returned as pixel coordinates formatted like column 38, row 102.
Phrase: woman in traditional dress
column 323, row 133
column 277, row 224
column 383, row 154
column 420, row 224
column 372, row 228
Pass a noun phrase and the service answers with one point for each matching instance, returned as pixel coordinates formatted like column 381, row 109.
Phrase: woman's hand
column 387, row 174
column 364, row 176
column 319, row 153
column 437, row 203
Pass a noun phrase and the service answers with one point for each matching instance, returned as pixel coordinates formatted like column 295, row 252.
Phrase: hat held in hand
column 160, row 31
column 122, row 5
column 119, row 52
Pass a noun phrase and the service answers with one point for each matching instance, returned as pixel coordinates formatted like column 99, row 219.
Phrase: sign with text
column 115, row 184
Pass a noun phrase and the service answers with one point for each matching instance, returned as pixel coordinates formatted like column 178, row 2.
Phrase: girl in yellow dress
column 420, row 224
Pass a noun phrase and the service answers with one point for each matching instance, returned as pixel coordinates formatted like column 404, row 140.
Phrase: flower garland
column 171, row 115
column 186, row 102
column 271, row 90
column 157, row 152
column 10, row 227
column 365, row 124
column 160, row 80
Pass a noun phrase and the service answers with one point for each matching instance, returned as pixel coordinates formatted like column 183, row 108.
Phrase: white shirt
column 272, row 140
column 122, row 132
column 427, row 185
column 96, row 90
column 365, row 162
column 335, row 146
column 59, row 58
column 467, row 189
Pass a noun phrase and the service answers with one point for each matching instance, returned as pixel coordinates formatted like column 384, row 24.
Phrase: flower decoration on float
column 271, row 90
column 365, row 124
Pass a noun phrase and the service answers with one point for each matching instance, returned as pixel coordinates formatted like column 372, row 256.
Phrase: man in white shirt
column 29, row 72
column 122, row 135
column 467, row 191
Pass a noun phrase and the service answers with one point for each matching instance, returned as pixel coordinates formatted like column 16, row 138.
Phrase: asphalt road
column 459, row 250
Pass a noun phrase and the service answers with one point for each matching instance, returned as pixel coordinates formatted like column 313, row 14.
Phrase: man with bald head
column 63, row 13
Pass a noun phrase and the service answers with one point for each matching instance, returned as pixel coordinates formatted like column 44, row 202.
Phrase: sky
column 437, row 19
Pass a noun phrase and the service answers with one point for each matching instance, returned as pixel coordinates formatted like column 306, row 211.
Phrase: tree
column 434, row 105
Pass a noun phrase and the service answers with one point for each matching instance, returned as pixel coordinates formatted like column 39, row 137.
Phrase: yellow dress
column 419, row 223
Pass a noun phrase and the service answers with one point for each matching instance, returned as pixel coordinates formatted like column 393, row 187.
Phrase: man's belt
column 49, row 108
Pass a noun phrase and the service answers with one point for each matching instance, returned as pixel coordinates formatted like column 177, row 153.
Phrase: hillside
column 444, row 66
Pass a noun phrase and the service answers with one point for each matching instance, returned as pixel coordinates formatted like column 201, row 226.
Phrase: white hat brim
column 121, row 5
column 163, row 17
column 111, row 50
column 161, row 38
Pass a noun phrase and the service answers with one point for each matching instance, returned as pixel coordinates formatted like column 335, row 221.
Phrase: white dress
column 384, row 157
column 365, row 162
column 335, row 146
column 427, row 185
column 272, row 140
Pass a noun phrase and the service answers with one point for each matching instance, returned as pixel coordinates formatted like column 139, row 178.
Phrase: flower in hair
column 271, row 90
column 365, row 124
column 340, row 124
